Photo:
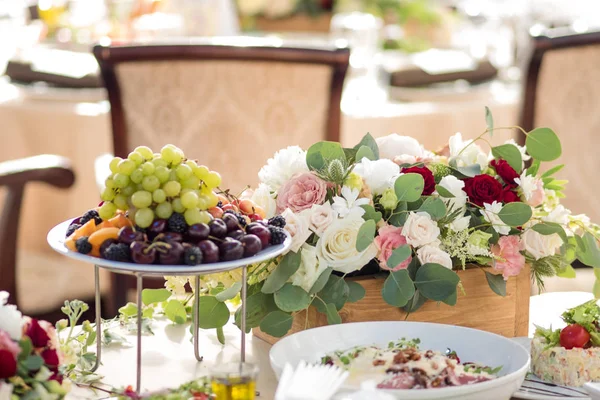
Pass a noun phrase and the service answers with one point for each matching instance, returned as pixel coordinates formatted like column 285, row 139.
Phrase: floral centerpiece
column 285, row 15
column 390, row 206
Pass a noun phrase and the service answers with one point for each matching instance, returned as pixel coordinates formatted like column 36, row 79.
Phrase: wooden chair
column 230, row 103
column 562, row 91
column 35, row 294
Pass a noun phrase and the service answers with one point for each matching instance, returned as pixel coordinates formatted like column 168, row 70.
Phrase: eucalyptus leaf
column 596, row 289
column 230, row 292
column 543, row 144
column 365, row 152
column 365, row 236
column 319, row 154
column 220, row 335
column 151, row 296
column 443, row 192
column 413, row 267
column 258, row 306
column 321, row 281
column 414, row 303
column 400, row 214
column 489, row 121
column 451, row 300
column 277, row 323
column 511, row 154
column 128, row 310
column 33, row 362
column 212, row 313
column 435, row 207
column 280, row 275
column 515, row 214
column 436, row 282
column 597, row 273
column 333, row 317
column 291, row 298
column 26, row 346
column 468, row 171
column 336, row 291
column 356, row 291
column 587, row 250
column 409, row 187
column 549, row 228
column 371, row 143
column 496, row 283
column 175, row 311
column 567, row 272
column 398, row 288
column 398, row 256
column 371, row 213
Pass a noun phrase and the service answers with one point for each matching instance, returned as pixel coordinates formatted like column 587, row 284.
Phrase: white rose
column 251, row 7
column 279, row 8
column 490, row 214
column 460, row 223
column 6, row 390
column 394, row 145
column 378, row 175
column 558, row 214
column 321, row 216
column 337, row 246
column 284, row 164
column 262, row 197
column 433, row 254
column 540, row 246
column 11, row 319
column 454, row 186
column 577, row 224
column 297, row 226
column 310, row 268
column 472, row 153
column 419, row 229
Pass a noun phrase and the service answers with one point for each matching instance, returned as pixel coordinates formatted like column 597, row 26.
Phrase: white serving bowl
column 471, row 345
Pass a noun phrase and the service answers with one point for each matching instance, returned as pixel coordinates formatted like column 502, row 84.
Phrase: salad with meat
column 402, row 365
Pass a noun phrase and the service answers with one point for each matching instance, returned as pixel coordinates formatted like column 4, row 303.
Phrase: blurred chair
column 230, row 103
column 562, row 91
column 38, row 285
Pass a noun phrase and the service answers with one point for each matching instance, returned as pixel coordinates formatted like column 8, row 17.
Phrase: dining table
column 168, row 358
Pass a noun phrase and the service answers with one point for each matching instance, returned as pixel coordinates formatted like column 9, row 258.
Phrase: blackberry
column 91, row 214
column 278, row 235
column 72, row 228
column 277, row 221
column 105, row 245
column 192, row 256
column 177, row 223
column 117, row 252
column 82, row 245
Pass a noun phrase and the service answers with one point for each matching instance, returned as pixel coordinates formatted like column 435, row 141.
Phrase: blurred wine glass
column 52, row 13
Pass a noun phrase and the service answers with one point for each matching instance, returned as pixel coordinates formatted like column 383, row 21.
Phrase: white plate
column 470, row 344
column 535, row 389
column 593, row 390
column 56, row 240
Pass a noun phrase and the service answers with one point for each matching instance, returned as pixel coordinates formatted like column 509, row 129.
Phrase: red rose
column 483, row 189
column 509, row 196
column 57, row 377
column 37, row 334
column 50, row 357
column 8, row 364
column 427, row 177
column 505, row 171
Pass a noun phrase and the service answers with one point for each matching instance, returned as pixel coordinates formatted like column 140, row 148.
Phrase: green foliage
column 321, row 281
column 549, row 228
column 212, row 313
column 151, row 296
column 414, row 303
column 515, row 214
column 409, row 187
column 586, row 315
column 465, row 172
column 368, row 141
column 435, row 207
column 398, row 288
column 175, row 311
column 568, row 272
column 443, row 192
column 451, row 300
column 336, row 291
column 400, row 214
column 552, row 171
column 287, row 267
column 552, row 336
column 277, row 323
column 356, row 291
column 366, row 235
column 333, row 317
column 534, row 168
column 129, row 310
column 543, row 144
column 320, row 154
column 371, row 213
column 511, row 154
column 258, row 305
column 230, row 292
column 365, row 152
column 291, row 298
column 436, row 282
column 398, row 256
column 587, row 250
column 496, row 282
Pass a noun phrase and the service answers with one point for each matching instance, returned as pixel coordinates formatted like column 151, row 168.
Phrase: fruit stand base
column 479, row 307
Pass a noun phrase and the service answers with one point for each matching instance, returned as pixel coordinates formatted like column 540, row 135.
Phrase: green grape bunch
column 154, row 185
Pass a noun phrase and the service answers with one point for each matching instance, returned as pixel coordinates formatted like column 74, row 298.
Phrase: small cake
column 569, row 356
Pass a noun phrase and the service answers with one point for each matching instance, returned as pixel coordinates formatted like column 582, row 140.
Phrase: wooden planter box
column 479, row 308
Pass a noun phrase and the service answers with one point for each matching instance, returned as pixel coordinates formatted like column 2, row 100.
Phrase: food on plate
column 569, row 356
column 402, row 365
column 164, row 208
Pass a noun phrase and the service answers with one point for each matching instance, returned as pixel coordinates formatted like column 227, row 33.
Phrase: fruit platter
column 162, row 213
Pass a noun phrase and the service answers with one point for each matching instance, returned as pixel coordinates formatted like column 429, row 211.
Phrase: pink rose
column 301, row 192
column 508, row 256
column 389, row 239
column 537, row 195
column 6, row 343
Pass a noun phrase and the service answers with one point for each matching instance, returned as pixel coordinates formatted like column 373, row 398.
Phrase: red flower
column 37, row 334
column 483, row 189
column 509, row 196
column 505, row 171
column 8, row 364
column 427, row 177
column 50, row 357
column 56, row 377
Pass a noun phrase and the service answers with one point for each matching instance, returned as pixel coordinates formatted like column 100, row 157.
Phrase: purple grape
column 218, row 228
column 210, row 251
column 129, row 235
column 252, row 245
column 237, row 234
column 231, row 249
column 142, row 253
column 261, row 231
column 197, row 232
column 231, row 222
column 171, row 253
